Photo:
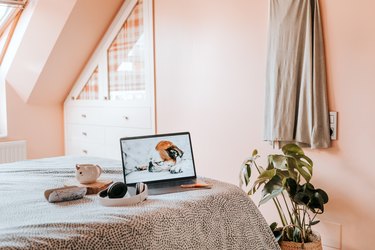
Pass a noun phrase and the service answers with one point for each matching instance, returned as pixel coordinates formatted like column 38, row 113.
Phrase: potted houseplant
column 286, row 181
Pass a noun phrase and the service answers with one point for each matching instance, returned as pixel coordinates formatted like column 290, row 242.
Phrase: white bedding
column 220, row 218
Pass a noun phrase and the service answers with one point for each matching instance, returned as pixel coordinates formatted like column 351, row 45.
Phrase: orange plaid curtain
column 91, row 89
column 126, row 55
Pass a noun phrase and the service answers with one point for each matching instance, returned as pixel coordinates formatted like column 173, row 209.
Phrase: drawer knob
column 126, row 117
column 84, row 133
column 83, row 115
column 85, row 151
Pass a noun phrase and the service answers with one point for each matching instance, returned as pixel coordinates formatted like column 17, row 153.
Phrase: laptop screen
column 157, row 158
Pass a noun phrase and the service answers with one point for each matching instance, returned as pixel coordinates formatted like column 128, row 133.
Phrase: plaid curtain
column 126, row 56
column 91, row 89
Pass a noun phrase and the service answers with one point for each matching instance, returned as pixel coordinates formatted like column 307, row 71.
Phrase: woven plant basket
column 288, row 245
column 315, row 245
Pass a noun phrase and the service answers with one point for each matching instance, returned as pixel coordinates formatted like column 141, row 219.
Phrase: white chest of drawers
column 96, row 129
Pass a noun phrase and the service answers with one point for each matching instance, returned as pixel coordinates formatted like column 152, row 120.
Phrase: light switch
column 333, row 124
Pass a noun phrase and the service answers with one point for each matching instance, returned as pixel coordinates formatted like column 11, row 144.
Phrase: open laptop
column 164, row 161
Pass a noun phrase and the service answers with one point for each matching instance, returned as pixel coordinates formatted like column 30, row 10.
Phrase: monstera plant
column 286, row 181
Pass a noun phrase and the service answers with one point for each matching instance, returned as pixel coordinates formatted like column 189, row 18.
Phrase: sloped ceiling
column 52, row 43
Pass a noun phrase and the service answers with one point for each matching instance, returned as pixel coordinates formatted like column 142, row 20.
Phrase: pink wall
column 210, row 76
column 40, row 125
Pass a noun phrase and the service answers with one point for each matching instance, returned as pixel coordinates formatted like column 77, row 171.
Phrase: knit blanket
column 219, row 218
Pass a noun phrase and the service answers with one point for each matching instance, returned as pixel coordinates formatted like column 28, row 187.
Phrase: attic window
column 126, row 57
column 91, row 89
column 10, row 11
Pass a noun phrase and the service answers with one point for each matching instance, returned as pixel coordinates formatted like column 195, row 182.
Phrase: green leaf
column 291, row 148
column 306, row 171
column 290, row 186
column 301, row 169
column 307, row 159
column 289, row 233
column 273, row 226
column 283, row 174
column 308, row 187
column 293, row 174
column 278, row 161
column 301, row 198
column 245, row 172
column 264, row 177
column 314, row 222
column 316, row 204
column 248, row 161
column 323, row 194
column 297, row 235
column 299, row 161
column 267, row 174
column 271, row 189
column 292, row 165
column 278, row 233
column 303, row 164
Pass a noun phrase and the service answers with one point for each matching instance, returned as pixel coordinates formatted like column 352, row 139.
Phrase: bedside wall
column 210, row 77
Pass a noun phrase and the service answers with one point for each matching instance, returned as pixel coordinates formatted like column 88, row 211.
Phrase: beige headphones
column 117, row 195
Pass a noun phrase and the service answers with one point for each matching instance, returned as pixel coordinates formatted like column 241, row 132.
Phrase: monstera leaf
column 271, row 189
column 317, row 201
column 278, row 162
column 297, row 160
column 246, row 167
column 291, row 186
column 291, row 148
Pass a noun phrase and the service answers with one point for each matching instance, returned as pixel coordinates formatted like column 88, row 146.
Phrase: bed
column 219, row 218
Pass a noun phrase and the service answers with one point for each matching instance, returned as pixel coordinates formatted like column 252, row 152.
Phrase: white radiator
column 12, row 151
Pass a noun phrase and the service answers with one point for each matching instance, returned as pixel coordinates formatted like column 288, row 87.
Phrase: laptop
column 164, row 162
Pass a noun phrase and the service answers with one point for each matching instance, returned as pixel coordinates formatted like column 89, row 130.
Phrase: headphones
column 117, row 195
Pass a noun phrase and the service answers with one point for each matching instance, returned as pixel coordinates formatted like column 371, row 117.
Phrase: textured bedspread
column 219, row 218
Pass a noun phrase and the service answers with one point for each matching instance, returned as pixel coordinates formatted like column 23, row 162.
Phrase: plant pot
column 288, row 245
column 316, row 244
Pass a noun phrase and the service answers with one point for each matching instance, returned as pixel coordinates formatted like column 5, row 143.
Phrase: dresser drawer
column 128, row 117
column 85, row 133
column 85, row 115
column 75, row 147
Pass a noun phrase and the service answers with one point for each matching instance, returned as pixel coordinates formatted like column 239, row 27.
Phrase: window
column 126, row 57
column 91, row 89
column 10, row 11
column 122, row 67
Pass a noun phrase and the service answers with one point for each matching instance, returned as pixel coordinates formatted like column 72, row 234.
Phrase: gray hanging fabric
column 296, row 107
